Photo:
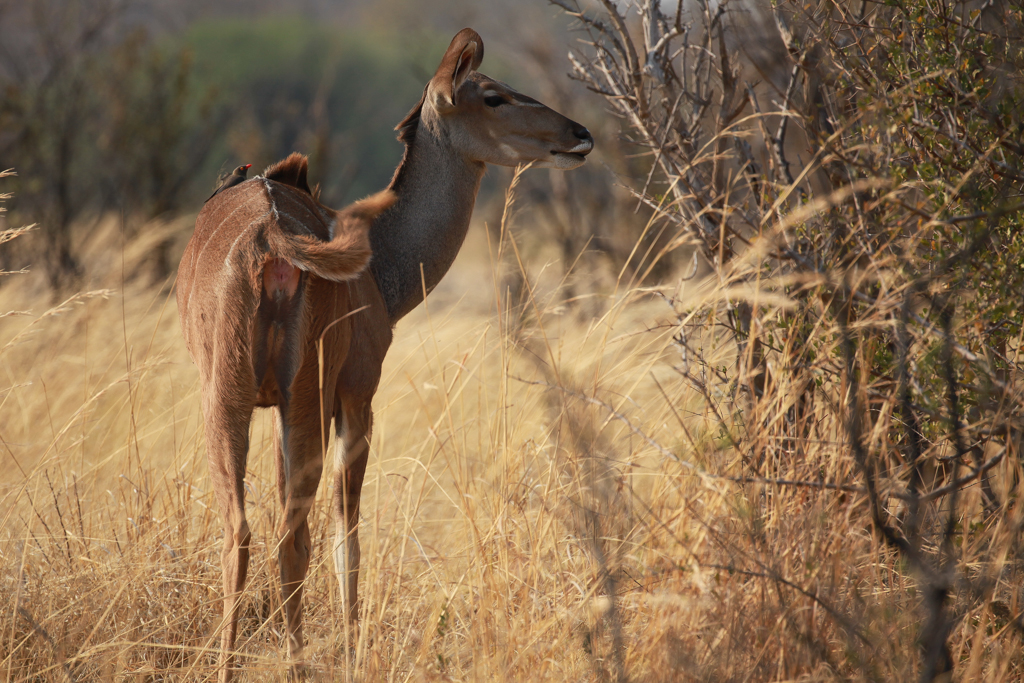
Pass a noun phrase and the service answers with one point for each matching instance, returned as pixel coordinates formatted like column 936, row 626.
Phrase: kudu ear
column 292, row 170
column 462, row 58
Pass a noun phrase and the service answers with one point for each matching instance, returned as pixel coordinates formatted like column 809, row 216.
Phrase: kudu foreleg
column 227, row 444
column 300, row 464
column 352, row 448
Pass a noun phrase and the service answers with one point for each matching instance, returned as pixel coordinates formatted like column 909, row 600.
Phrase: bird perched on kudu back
column 236, row 177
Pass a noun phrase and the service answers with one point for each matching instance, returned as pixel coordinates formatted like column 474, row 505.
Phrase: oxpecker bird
column 238, row 176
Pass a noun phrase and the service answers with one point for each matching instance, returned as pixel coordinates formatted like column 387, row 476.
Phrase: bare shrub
column 859, row 357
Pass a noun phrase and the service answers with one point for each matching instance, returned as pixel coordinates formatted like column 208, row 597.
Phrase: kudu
column 463, row 121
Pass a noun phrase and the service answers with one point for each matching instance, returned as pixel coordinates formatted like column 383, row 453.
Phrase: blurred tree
column 44, row 61
column 293, row 85
column 157, row 128
column 103, row 113
column 98, row 117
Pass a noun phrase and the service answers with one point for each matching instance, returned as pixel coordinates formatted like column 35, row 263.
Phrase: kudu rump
column 278, row 310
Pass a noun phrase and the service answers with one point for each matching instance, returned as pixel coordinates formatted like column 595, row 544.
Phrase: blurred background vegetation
column 137, row 106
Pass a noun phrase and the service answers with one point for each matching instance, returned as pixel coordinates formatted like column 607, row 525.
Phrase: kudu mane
column 407, row 134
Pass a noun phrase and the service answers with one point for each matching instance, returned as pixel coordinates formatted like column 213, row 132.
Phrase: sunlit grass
column 545, row 500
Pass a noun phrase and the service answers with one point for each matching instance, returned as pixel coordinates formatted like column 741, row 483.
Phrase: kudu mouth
column 575, row 156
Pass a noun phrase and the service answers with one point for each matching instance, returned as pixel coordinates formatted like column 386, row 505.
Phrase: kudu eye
column 494, row 101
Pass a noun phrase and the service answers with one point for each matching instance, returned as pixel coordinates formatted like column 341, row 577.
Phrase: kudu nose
column 582, row 133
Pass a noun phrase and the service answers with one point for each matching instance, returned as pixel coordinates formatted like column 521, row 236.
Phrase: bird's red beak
column 248, row 166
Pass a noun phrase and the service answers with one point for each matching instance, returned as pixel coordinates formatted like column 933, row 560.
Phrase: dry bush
column 860, row 359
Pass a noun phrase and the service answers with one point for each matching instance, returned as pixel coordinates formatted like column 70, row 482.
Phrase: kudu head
column 488, row 121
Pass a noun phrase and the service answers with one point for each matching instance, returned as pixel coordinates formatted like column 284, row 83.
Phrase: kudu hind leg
column 227, row 448
column 352, row 447
column 300, row 464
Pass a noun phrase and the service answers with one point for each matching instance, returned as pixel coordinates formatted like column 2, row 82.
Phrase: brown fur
column 263, row 278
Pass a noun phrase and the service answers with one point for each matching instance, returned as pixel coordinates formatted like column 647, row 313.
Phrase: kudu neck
column 436, row 188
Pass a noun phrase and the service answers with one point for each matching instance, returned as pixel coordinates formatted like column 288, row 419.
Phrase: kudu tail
column 348, row 252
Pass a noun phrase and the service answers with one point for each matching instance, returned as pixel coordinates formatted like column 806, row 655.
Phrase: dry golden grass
column 545, row 501
column 110, row 547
